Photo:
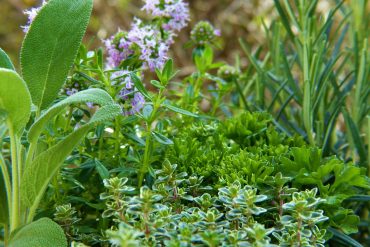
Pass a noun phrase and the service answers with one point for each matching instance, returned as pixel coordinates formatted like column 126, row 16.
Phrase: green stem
column 240, row 91
column 6, row 235
column 100, row 152
column 31, row 151
column 148, row 143
column 15, row 216
column 368, row 145
column 5, row 172
column 33, row 208
column 146, row 156
column 69, row 118
column 117, row 141
column 197, row 86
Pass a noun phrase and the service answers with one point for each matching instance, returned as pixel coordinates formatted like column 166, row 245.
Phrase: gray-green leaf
column 15, row 100
column 94, row 95
column 43, row 232
column 51, row 45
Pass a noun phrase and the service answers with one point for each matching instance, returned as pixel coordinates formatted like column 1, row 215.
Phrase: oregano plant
column 26, row 107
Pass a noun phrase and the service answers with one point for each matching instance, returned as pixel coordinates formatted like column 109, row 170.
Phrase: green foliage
column 51, row 45
column 312, row 80
column 300, row 226
column 245, row 148
column 17, row 110
column 207, row 172
column 43, row 232
column 249, row 150
column 96, row 96
column 48, row 52
column 44, row 166
column 236, row 215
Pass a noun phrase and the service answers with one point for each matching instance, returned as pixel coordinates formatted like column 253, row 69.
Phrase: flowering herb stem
column 149, row 141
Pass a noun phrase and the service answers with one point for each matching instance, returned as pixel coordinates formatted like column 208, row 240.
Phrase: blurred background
column 235, row 18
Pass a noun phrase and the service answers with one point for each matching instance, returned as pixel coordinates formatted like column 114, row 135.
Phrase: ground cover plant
column 111, row 147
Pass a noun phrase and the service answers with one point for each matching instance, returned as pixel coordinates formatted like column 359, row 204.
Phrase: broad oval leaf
column 5, row 61
column 37, row 176
column 15, row 100
column 51, row 46
column 93, row 95
column 43, row 232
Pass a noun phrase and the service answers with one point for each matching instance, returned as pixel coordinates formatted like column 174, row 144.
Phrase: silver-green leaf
column 93, row 95
column 51, row 45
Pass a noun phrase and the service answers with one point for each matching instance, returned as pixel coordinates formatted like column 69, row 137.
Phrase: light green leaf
column 51, row 45
column 5, row 61
column 37, row 176
column 15, row 100
column 43, row 232
column 94, row 95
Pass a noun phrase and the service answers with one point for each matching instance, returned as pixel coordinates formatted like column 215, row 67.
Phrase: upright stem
column 8, row 187
column 100, row 151
column 6, row 235
column 148, row 143
column 15, row 212
column 145, row 166
column 117, row 140
column 368, row 145
column 242, row 97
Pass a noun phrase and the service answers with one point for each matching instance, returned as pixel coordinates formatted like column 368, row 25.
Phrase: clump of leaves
column 233, row 215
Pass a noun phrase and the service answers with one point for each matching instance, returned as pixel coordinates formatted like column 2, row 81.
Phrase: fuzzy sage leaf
column 51, row 45
column 94, row 95
column 15, row 100
column 43, row 232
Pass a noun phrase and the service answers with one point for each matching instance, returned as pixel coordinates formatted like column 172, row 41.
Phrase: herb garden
column 118, row 146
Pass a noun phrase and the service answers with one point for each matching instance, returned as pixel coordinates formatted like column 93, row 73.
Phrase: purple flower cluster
column 144, row 46
column 133, row 101
column 175, row 13
column 31, row 13
column 143, row 42
column 149, row 43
